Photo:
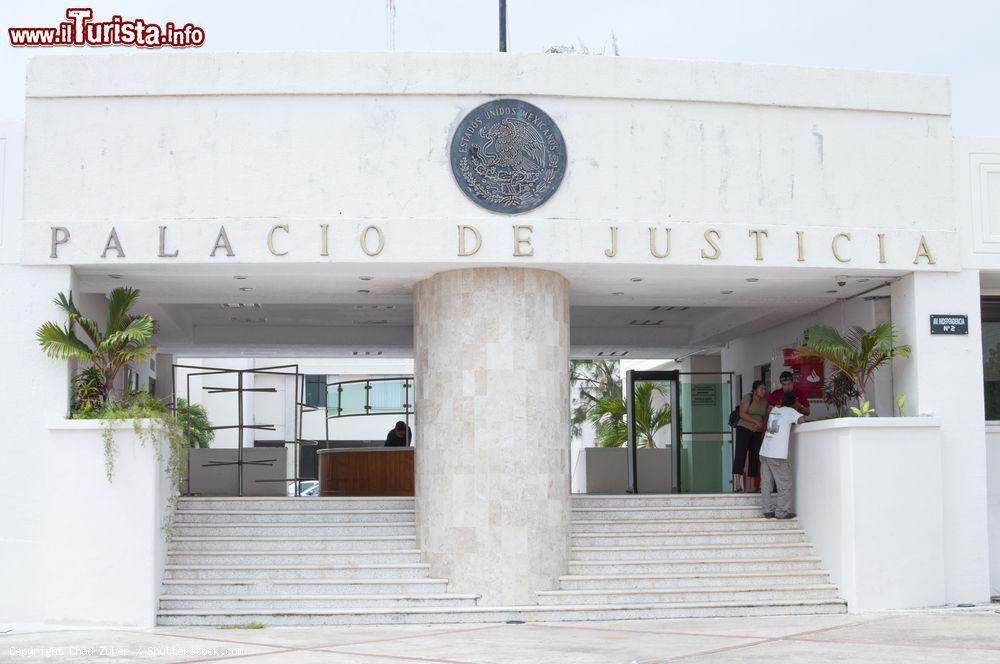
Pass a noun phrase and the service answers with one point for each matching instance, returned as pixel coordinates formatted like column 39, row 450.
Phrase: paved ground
column 935, row 636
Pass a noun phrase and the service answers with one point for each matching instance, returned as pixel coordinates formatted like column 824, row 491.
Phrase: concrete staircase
column 310, row 561
column 690, row 556
column 298, row 561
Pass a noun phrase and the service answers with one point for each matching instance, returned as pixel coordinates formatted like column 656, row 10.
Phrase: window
column 315, row 391
column 991, row 356
column 388, row 395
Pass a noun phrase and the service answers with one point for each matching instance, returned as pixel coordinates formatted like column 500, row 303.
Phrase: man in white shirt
column 774, row 465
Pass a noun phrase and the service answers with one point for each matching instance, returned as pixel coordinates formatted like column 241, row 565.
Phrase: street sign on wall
column 949, row 324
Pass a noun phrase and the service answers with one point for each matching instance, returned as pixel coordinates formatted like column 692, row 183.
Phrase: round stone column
column 491, row 363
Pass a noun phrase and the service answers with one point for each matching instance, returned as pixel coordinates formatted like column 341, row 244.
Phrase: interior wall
column 743, row 354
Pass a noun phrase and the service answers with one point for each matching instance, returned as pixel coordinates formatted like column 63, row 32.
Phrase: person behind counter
column 788, row 386
column 399, row 436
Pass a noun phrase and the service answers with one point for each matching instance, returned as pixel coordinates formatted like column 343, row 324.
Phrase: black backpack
column 734, row 418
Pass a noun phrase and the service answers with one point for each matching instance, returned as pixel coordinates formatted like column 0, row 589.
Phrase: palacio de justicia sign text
column 309, row 242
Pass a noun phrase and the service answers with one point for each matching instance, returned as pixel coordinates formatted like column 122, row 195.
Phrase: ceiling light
column 366, row 278
column 752, row 279
column 241, row 277
column 863, row 280
column 246, row 289
column 833, row 292
column 618, row 293
column 115, row 276
column 636, row 279
column 726, row 292
column 364, row 291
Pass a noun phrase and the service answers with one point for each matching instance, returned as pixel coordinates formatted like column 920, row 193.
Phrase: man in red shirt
column 788, row 385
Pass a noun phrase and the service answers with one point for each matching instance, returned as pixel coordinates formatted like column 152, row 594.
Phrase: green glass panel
column 388, row 396
column 705, row 445
column 352, row 399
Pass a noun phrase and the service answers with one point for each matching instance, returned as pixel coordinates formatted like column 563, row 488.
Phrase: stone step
column 294, row 529
column 186, row 516
column 281, row 603
column 785, row 535
column 697, row 551
column 389, row 542
column 229, row 503
column 723, row 512
column 693, row 565
column 665, row 500
column 679, row 525
column 261, row 558
column 372, row 571
column 481, row 614
column 245, row 587
column 663, row 595
column 756, row 579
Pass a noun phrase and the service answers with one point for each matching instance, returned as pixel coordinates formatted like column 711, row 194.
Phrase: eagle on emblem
column 511, row 143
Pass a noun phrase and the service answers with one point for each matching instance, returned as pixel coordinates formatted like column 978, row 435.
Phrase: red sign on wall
column 808, row 372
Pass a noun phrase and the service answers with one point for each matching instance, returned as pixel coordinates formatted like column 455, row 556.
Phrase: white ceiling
column 317, row 310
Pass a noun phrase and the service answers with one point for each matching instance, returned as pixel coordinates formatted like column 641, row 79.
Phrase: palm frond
column 62, row 343
column 77, row 318
column 120, row 300
column 137, row 331
column 132, row 354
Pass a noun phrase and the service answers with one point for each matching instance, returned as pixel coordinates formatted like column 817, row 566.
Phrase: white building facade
column 705, row 209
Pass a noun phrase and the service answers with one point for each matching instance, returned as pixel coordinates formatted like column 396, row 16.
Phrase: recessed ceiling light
column 752, row 279
column 726, row 292
column 618, row 293
column 636, row 279
column 241, row 277
column 115, row 276
column 366, row 278
column 364, row 291
column 834, row 292
column 246, row 289
column 863, row 280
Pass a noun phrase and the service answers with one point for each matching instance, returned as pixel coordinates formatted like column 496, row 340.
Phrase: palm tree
column 609, row 414
column 593, row 381
column 126, row 338
column 857, row 354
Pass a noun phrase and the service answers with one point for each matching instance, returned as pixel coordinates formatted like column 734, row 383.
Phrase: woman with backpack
column 749, row 435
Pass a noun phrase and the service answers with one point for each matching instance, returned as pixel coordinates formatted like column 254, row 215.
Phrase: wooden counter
column 372, row 471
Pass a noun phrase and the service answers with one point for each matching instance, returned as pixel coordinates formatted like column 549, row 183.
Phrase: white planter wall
column 868, row 493
column 104, row 547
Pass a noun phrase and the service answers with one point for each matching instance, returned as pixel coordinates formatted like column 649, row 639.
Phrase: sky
column 957, row 38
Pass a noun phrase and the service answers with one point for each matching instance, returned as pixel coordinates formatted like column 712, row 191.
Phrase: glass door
column 705, row 440
column 651, row 406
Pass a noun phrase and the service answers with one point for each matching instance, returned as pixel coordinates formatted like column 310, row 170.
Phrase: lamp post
column 503, row 26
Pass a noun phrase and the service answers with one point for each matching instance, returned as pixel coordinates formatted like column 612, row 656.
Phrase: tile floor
column 955, row 635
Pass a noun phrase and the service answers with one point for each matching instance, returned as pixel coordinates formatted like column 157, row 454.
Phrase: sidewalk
column 955, row 635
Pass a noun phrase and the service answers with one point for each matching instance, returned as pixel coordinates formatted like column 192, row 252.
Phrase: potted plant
column 608, row 417
column 125, row 338
column 854, row 357
column 606, row 468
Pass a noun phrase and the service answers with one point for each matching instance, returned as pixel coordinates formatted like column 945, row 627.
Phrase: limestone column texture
column 491, row 366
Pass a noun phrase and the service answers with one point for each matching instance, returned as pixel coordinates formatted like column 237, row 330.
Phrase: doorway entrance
column 678, row 436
